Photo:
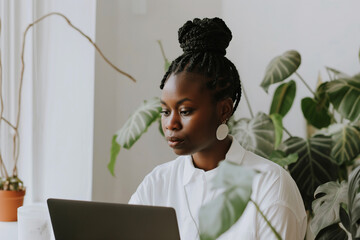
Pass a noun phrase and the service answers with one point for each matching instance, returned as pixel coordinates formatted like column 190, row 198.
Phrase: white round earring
column 222, row 131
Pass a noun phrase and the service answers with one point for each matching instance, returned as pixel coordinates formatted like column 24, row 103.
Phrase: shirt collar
column 235, row 155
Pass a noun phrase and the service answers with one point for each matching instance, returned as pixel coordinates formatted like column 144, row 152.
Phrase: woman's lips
column 174, row 141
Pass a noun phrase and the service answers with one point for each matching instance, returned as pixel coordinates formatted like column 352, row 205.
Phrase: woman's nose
column 173, row 122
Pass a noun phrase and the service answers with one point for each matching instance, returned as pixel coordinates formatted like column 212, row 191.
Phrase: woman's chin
column 181, row 151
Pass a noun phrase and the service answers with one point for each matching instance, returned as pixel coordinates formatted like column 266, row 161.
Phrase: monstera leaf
column 217, row 216
column 256, row 135
column 283, row 98
column 280, row 68
column 344, row 94
column 346, row 143
column 134, row 127
column 314, row 166
column 354, row 203
column 332, row 232
column 327, row 206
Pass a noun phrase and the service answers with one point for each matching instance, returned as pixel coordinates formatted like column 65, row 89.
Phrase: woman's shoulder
column 169, row 169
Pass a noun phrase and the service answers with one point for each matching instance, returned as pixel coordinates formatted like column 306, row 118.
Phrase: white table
column 8, row 230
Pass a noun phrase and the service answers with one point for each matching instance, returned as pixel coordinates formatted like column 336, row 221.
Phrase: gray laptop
column 82, row 220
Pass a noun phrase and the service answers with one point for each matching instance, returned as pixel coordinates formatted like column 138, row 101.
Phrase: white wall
column 325, row 32
column 63, row 101
column 129, row 39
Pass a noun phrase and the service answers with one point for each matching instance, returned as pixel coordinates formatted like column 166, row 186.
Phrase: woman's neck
column 209, row 159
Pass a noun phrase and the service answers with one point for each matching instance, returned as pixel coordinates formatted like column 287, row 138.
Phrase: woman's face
column 190, row 116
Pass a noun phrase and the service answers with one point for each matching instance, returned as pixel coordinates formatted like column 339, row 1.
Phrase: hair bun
column 205, row 35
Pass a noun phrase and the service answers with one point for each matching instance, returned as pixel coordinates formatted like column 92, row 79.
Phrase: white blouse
column 180, row 185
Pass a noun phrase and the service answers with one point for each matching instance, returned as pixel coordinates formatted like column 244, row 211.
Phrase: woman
column 200, row 92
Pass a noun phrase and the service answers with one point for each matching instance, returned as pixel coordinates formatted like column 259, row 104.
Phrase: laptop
column 84, row 220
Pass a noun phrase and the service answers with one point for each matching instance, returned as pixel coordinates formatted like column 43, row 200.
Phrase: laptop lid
column 83, row 220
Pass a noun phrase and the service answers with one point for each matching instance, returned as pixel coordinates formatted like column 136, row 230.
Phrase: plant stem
column 247, row 101
column 308, row 87
column 266, row 220
column 162, row 51
column 287, row 132
column 23, row 69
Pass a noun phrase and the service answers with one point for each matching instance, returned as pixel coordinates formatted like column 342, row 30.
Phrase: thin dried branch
column 4, row 119
column 17, row 147
column 3, row 168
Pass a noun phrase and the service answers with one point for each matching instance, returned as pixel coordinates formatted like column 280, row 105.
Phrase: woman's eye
column 165, row 113
column 185, row 112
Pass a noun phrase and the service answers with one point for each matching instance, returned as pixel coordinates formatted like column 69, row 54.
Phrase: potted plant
column 12, row 189
column 333, row 110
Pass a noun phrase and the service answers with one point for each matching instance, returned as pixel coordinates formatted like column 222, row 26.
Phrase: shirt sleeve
column 285, row 222
column 143, row 194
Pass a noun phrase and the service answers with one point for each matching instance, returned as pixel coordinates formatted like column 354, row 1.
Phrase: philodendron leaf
column 256, row 135
column 283, row 98
column 332, row 232
column 346, row 144
column 278, row 126
column 327, row 207
column 354, row 203
column 160, row 128
column 336, row 73
column 217, row 216
column 138, row 123
column 344, row 94
column 314, row 166
column 280, row 158
column 280, row 68
column 133, row 128
column 115, row 149
column 315, row 113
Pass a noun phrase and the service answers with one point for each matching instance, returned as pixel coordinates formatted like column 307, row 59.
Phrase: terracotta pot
column 9, row 203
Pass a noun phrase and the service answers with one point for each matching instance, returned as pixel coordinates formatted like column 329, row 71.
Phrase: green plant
column 217, row 216
column 333, row 109
column 337, row 203
column 12, row 181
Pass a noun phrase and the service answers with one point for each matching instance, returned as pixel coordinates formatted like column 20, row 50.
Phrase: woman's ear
column 225, row 109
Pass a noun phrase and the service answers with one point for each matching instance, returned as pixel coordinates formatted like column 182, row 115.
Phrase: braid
column 204, row 42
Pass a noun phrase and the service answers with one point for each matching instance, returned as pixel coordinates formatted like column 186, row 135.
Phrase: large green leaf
column 344, row 94
column 283, row 98
column 354, row 203
column 346, row 144
column 115, row 149
column 256, row 135
column 280, row 68
column 217, row 216
column 332, row 232
column 314, row 166
column 138, row 123
column 280, row 158
column 278, row 126
column 327, row 206
column 133, row 128
column 315, row 113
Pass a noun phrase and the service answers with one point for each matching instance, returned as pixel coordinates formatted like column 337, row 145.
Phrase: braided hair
column 204, row 42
